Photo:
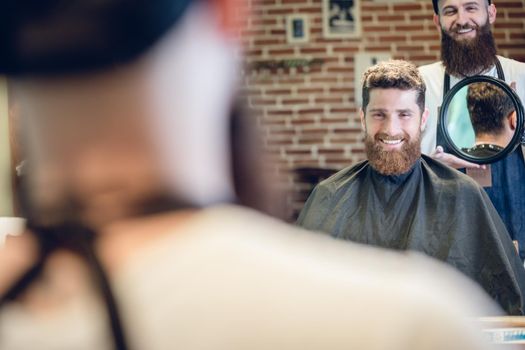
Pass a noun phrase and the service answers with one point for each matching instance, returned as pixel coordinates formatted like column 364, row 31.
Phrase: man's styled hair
column 394, row 74
column 488, row 106
column 436, row 7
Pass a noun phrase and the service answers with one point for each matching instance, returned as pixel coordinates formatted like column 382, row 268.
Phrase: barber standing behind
column 468, row 49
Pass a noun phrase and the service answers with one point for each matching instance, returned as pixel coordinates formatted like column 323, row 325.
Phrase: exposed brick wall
column 308, row 115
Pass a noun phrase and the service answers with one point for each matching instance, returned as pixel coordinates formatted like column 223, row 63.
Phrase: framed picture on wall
column 341, row 18
column 297, row 28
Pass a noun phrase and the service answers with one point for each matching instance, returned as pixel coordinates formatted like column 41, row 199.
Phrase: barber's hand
column 452, row 160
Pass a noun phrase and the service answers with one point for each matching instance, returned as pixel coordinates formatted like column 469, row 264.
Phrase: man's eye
column 472, row 8
column 449, row 12
column 378, row 116
column 405, row 115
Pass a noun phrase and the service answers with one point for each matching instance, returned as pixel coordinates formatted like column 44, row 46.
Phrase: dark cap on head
column 67, row 36
column 436, row 8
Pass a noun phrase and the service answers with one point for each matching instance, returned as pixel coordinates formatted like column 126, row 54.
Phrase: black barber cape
column 433, row 209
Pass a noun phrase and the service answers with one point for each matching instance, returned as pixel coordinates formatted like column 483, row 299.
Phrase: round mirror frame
column 517, row 138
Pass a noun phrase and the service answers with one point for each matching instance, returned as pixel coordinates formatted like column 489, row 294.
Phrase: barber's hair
column 394, row 74
column 435, row 3
column 488, row 106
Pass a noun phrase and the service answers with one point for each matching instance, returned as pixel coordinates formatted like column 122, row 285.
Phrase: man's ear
column 492, row 13
column 362, row 117
column 513, row 121
column 424, row 117
column 436, row 22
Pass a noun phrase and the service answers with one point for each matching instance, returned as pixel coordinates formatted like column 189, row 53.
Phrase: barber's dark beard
column 464, row 58
column 394, row 162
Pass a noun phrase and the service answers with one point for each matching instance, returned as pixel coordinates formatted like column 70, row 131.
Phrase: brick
column 278, row 32
column 265, row 42
column 298, row 151
column 342, row 110
column 279, row 11
column 303, row 121
column 327, row 80
column 416, row 48
column 310, row 111
column 409, row 28
column 367, row 7
column 425, row 37
column 391, row 18
column 508, row 25
column 272, row 92
column 346, row 130
column 280, row 112
column 331, row 151
column 346, row 69
column 346, row 90
column 316, row 130
column 310, row 91
column 281, row 52
column 418, row 17
column 515, row 14
column 294, row 101
column 407, row 7
column 375, row 28
column 264, row 22
column 377, row 48
column 310, row 141
column 262, row 101
column 346, row 49
column 307, row 50
column 328, row 100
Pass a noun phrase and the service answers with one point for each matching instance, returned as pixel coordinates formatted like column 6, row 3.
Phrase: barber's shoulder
column 514, row 70
column 510, row 61
column 431, row 69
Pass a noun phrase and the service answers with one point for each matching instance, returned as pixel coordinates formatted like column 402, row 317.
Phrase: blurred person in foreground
column 133, row 240
column 400, row 199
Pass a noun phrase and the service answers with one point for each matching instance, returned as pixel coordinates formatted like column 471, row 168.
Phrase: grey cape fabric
column 433, row 209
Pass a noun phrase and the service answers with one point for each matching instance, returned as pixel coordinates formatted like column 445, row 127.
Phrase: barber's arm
column 452, row 160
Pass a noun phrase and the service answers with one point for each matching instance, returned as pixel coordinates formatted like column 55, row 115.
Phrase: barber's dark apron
column 507, row 192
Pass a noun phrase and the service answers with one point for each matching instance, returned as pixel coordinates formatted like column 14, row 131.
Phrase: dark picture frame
column 342, row 18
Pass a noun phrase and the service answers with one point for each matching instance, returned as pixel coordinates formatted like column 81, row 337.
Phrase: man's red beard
column 393, row 162
column 464, row 58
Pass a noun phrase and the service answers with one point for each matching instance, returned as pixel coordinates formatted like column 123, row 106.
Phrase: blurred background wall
column 304, row 93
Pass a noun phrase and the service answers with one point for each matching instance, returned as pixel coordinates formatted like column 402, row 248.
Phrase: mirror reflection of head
column 467, row 43
column 393, row 115
column 493, row 118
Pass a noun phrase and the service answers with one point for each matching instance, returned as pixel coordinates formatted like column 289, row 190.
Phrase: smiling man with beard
column 400, row 199
column 467, row 49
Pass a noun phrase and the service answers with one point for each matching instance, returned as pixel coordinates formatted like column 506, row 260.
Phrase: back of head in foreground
column 123, row 147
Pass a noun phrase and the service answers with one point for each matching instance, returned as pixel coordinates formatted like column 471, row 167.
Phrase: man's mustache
column 459, row 27
column 387, row 137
